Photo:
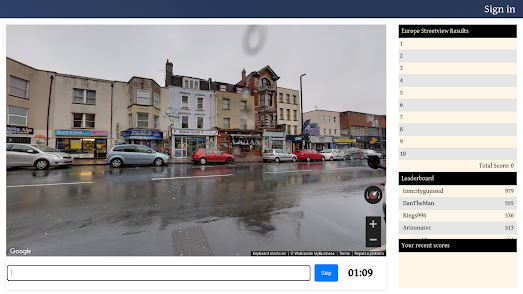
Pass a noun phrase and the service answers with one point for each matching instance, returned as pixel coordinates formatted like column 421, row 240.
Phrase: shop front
column 240, row 143
column 17, row 134
column 321, row 142
column 296, row 142
column 342, row 142
column 185, row 142
column 150, row 138
column 273, row 140
column 82, row 143
column 367, row 142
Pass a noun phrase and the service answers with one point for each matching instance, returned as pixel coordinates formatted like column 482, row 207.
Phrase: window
column 18, row 87
column 288, row 101
column 83, row 120
column 185, row 102
column 330, row 131
column 156, row 122
column 199, row 122
column 156, row 100
column 334, row 119
column 295, row 130
column 357, row 131
column 185, row 122
column 295, row 115
column 186, row 84
column 281, row 98
column 269, row 100
column 265, row 82
column 190, row 84
column 324, row 118
column 383, row 132
column 239, row 90
column 142, row 120
column 335, row 131
column 142, row 149
column 262, row 120
column 270, row 120
column 243, row 105
column 21, row 148
column 262, row 99
column 225, row 103
column 288, row 114
column 130, row 98
column 226, row 123
column 223, row 88
column 200, row 103
column 143, row 97
column 130, row 120
column 329, row 118
column 196, row 85
column 84, row 96
column 325, row 131
column 372, row 131
column 294, row 99
column 288, row 129
column 244, row 124
column 281, row 114
column 17, row 116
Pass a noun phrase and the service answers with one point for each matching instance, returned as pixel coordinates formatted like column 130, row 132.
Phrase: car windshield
column 326, row 151
column 45, row 148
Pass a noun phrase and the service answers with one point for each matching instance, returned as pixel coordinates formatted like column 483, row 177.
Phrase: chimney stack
column 168, row 73
column 243, row 74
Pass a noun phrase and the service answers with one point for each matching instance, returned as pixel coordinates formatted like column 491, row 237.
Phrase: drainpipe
column 112, row 87
column 48, row 112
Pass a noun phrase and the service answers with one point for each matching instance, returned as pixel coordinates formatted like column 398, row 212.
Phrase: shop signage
column 344, row 140
column 142, row 135
column 273, row 134
column 19, row 130
column 79, row 133
column 321, row 139
column 298, row 138
column 194, row 132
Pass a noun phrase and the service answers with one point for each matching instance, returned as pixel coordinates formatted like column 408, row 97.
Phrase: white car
column 367, row 152
column 333, row 154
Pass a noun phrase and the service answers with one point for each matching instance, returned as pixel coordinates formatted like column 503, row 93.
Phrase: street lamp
column 301, row 103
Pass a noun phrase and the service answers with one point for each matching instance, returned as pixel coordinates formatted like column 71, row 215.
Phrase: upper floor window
column 18, row 87
column 265, row 82
column 329, row 119
column 225, row 103
column 223, row 88
column 281, row 98
column 83, row 120
column 156, row 100
column 199, row 122
column 281, row 113
column 186, row 84
column 17, row 116
column 185, row 102
column 185, row 122
column 294, row 99
column 295, row 115
column 288, row 99
column 324, row 118
column 156, row 121
column 288, row 114
column 130, row 98
column 200, row 103
column 335, row 131
column 143, row 97
column 130, row 120
column 243, row 105
column 243, row 124
column 239, row 90
column 269, row 100
column 226, row 123
column 334, row 119
column 191, row 84
column 262, row 99
column 84, row 96
column 142, row 120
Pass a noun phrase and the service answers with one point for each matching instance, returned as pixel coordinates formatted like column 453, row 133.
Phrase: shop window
column 24, row 140
column 142, row 120
column 17, row 116
column 185, row 122
column 243, row 105
column 200, row 103
column 84, row 96
column 156, row 121
column 226, row 123
column 18, row 87
column 83, row 120
column 185, row 102
column 199, row 122
column 225, row 103
column 244, row 124
column 156, row 100
column 143, row 97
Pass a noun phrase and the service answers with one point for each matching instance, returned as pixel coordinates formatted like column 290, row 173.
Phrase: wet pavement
column 190, row 209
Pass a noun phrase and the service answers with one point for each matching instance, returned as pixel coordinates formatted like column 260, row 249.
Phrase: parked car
column 278, row 155
column 204, row 155
column 39, row 156
column 367, row 152
column 352, row 153
column 383, row 152
column 333, row 154
column 308, row 155
column 134, row 154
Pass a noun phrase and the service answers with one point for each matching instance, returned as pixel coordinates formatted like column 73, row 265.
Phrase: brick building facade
column 369, row 130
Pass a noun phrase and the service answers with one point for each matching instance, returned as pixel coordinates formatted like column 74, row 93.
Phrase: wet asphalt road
column 188, row 209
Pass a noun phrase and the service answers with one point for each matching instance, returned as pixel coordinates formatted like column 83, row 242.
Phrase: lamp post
column 301, row 104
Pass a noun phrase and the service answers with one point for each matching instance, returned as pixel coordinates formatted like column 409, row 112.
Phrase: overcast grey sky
column 344, row 65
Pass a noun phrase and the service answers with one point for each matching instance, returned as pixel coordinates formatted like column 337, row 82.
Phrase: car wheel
column 331, row 159
column 294, row 159
column 203, row 161
column 277, row 159
column 116, row 163
column 228, row 160
column 264, row 160
column 42, row 164
column 158, row 161
column 323, row 158
column 308, row 159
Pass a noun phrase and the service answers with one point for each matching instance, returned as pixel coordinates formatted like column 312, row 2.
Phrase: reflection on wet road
column 190, row 209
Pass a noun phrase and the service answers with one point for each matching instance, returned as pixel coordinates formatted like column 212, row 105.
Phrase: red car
column 308, row 155
column 204, row 155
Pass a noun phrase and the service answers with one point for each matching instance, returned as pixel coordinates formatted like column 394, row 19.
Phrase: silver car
column 278, row 155
column 39, row 156
column 134, row 154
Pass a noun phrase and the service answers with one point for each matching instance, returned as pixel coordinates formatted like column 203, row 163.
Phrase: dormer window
column 265, row 82
column 223, row 88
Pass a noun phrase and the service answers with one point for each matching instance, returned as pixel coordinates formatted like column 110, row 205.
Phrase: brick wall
column 350, row 118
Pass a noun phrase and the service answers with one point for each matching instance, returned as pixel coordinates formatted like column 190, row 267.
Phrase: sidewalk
column 100, row 161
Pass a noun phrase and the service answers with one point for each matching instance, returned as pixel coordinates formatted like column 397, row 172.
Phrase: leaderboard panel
column 458, row 146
